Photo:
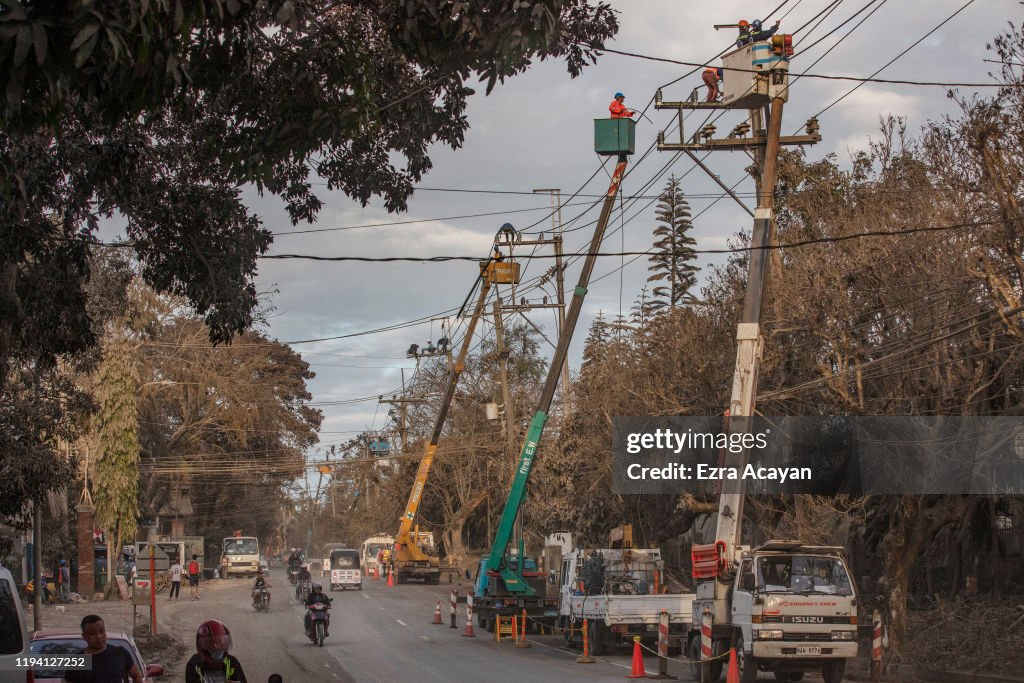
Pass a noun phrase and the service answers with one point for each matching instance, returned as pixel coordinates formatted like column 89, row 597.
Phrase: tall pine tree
column 672, row 262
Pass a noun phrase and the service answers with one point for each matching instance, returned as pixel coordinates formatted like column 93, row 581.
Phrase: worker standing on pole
column 618, row 109
column 711, row 78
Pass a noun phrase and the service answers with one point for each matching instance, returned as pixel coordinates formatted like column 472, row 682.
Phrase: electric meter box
column 754, row 75
column 614, row 136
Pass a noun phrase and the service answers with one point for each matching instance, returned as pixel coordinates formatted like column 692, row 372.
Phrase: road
column 381, row 634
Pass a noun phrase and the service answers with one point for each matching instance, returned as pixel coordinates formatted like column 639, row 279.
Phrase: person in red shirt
column 711, row 81
column 618, row 109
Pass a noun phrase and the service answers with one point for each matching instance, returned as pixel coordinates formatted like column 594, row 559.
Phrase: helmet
column 756, row 24
column 259, row 572
column 618, row 95
column 317, row 587
column 213, row 640
column 743, row 23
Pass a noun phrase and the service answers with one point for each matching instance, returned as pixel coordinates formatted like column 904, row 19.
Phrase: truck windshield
column 803, row 574
column 241, row 546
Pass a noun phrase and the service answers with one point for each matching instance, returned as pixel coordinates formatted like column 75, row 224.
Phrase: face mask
column 217, row 656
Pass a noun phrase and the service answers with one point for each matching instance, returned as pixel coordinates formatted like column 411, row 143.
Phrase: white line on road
column 402, row 623
column 424, row 638
column 366, row 596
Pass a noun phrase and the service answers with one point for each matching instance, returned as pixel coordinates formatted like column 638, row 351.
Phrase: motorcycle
column 318, row 623
column 301, row 590
column 262, row 600
column 293, row 574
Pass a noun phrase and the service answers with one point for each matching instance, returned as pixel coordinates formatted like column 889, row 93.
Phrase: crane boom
column 405, row 547
column 512, row 578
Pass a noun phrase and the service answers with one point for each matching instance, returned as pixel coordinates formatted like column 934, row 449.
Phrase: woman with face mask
column 212, row 663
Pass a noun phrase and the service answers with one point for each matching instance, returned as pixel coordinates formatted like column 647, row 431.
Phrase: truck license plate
column 812, row 651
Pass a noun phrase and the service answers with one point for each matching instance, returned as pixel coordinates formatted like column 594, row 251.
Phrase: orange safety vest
column 619, row 110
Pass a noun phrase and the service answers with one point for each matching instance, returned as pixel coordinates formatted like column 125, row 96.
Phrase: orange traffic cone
column 638, row 660
column 391, row 579
column 375, row 576
column 437, row 613
column 733, row 676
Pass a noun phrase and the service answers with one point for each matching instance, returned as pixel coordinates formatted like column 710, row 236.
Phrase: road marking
column 574, row 654
column 402, row 623
column 366, row 596
column 424, row 638
column 379, row 607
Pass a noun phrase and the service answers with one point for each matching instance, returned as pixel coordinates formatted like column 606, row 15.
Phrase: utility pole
column 762, row 91
column 556, row 224
column 499, row 336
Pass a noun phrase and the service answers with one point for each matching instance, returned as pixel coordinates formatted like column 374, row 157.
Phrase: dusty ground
column 977, row 635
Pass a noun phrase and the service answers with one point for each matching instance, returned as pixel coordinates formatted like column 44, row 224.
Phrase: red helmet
column 743, row 23
column 213, row 640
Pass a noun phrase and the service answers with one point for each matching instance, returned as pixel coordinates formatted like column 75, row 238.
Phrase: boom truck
column 414, row 556
column 785, row 606
column 507, row 582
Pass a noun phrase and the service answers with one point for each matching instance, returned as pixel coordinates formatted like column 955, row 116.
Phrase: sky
column 535, row 131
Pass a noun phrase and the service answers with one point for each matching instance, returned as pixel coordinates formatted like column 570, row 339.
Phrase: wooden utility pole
column 506, row 398
column 556, row 224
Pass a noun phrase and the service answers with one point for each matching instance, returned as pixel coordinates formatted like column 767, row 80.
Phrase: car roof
column 64, row 633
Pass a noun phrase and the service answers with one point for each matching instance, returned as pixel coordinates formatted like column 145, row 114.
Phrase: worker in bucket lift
column 744, row 37
column 618, row 109
column 757, row 34
column 712, row 77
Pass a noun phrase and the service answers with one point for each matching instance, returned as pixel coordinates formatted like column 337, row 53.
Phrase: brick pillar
column 86, row 551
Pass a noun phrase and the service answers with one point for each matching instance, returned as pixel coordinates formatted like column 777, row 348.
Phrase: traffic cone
column 391, row 579
column 375, row 576
column 638, row 661
column 437, row 613
column 468, row 631
column 733, row 676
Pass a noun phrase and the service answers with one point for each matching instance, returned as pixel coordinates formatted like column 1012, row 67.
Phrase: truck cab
column 791, row 608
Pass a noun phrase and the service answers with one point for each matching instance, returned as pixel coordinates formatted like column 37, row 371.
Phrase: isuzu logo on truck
column 808, row 620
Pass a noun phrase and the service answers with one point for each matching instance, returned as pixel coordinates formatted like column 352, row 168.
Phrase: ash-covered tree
column 672, row 261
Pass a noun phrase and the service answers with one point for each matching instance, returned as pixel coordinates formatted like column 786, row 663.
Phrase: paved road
column 382, row 634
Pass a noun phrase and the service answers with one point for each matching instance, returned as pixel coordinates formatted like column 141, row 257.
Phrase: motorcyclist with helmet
column 212, row 661
column 316, row 594
column 259, row 584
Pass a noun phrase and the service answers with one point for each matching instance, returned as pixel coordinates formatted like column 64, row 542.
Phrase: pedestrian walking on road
column 175, row 580
column 193, row 577
column 212, row 661
column 110, row 663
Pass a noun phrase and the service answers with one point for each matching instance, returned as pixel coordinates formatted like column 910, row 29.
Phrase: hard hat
column 743, row 23
column 618, row 95
column 756, row 24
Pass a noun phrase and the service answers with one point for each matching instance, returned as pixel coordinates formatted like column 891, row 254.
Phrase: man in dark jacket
column 317, row 595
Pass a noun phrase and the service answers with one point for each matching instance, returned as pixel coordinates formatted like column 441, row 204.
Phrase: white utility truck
column 617, row 590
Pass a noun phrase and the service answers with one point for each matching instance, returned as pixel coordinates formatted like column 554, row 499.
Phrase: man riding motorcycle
column 317, row 595
column 259, row 584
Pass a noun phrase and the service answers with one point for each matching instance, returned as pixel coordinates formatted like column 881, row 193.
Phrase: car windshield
column 72, row 646
column 241, row 546
column 803, row 574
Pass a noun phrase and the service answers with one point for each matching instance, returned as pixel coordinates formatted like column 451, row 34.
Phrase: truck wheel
column 833, row 671
column 598, row 639
column 712, row 670
column 489, row 625
column 747, row 664
column 480, row 621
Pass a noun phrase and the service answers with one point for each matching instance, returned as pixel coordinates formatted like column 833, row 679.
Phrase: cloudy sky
column 536, row 132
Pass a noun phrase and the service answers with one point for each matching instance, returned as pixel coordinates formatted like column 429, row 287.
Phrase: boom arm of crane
column 495, row 562
column 405, row 547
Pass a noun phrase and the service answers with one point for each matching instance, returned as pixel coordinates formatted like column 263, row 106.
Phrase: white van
column 13, row 631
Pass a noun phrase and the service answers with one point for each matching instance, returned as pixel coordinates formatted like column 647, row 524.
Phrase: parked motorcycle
column 318, row 623
column 262, row 600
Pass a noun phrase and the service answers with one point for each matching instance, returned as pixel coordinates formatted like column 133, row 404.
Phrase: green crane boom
column 512, row 577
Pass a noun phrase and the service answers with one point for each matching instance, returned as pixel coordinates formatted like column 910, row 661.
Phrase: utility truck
column 785, row 606
column 617, row 590
column 240, row 555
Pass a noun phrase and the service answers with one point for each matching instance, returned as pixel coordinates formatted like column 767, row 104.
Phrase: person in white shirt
column 175, row 580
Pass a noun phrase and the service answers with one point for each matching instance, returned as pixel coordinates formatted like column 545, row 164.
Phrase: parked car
column 13, row 630
column 68, row 641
